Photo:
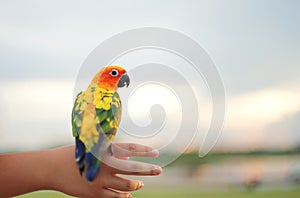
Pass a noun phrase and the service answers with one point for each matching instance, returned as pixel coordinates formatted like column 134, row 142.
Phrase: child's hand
column 108, row 182
column 56, row 170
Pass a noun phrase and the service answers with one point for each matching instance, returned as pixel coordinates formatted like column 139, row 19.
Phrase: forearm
column 23, row 172
column 40, row 170
column 65, row 175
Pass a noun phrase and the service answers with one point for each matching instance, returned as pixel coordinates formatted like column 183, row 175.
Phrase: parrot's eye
column 114, row 73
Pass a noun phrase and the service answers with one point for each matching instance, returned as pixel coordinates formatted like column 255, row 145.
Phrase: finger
column 121, row 150
column 114, row 194
column 123, row 158
column 122, row 184
column 128, row 167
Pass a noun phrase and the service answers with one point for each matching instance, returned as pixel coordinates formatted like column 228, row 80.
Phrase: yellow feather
column 89, row 134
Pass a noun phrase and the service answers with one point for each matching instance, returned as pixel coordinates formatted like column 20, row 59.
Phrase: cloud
column 287, row 129
column 261, row 107
column 249, row 118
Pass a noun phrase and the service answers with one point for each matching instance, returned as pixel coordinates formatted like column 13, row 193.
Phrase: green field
column 181, row 193
column 219, row 194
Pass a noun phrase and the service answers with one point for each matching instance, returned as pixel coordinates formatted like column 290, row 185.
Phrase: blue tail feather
column 93, row 167
column 80, row 155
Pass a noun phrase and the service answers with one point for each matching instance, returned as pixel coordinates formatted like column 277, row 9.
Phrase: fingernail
column 157, row 170
column 141, row 185
column 155, row 152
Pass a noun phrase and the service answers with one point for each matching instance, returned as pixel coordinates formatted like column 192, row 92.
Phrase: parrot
column 96, row 117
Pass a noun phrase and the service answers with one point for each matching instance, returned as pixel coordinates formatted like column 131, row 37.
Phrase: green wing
column 109, row 120
column 106, row 122
column 77, row 113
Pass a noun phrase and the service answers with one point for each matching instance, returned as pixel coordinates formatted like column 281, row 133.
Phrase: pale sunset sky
column 254, row 44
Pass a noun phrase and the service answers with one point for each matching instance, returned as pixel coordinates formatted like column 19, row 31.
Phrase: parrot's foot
column 110, row 150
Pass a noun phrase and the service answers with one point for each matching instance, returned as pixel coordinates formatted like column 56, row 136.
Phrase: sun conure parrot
column 95, row 118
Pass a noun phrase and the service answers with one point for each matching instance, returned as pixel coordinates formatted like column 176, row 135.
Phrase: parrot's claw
column 110, row 150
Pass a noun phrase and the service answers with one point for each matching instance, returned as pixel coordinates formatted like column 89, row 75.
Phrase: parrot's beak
column 124, row 80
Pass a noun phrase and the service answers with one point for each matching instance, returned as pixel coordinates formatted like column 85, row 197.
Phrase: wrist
column 45, row 174
column 63, row 174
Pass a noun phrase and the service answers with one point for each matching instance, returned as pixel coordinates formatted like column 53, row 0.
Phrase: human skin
column 56, row 169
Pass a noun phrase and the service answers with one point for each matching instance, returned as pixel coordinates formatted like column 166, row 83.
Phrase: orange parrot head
column 112, row 77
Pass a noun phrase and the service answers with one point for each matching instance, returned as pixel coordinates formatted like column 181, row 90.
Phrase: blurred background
column 255, row 45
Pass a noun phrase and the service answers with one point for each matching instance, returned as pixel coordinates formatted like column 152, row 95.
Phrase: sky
column 254, row 44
